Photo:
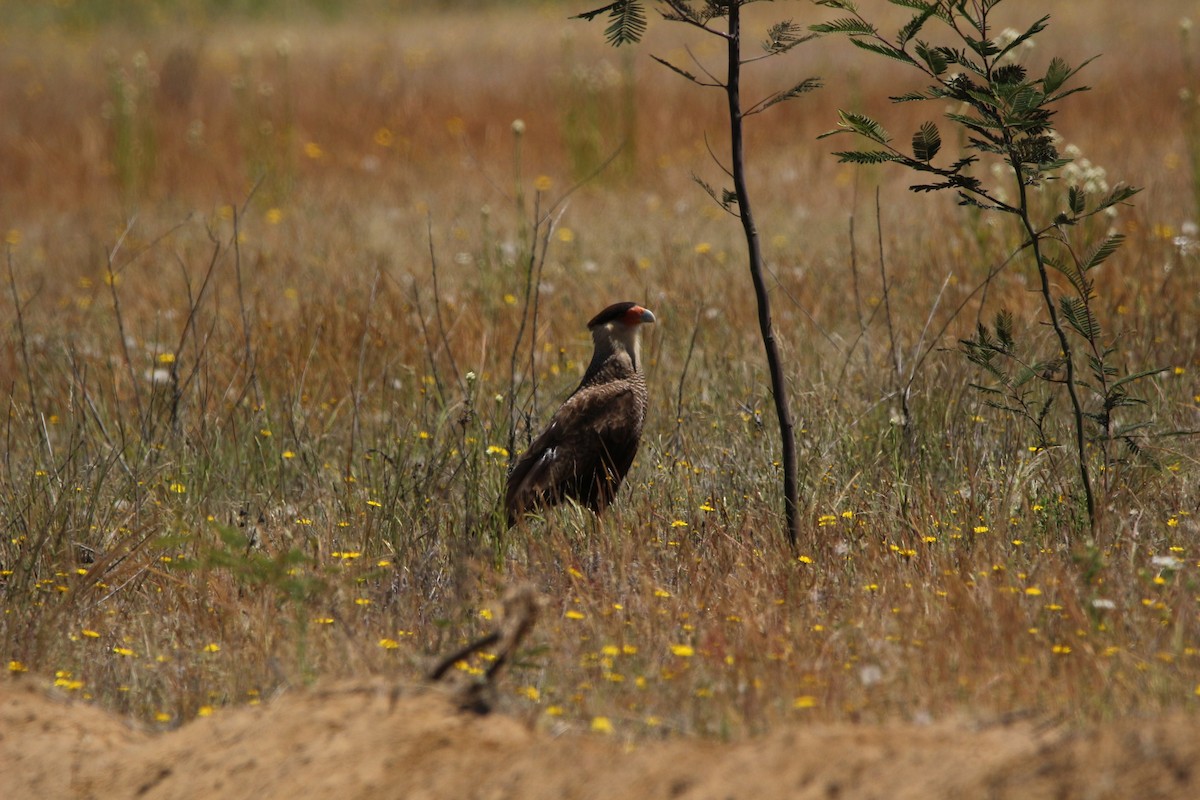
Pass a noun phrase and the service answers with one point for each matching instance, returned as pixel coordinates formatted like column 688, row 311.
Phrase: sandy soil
column 367, row 739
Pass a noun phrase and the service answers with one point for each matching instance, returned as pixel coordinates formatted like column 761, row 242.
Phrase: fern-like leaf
column 1070, row 271
column 1137, row 376
column 934, row 58
column 980, row 126
column 588, row 16
column 864, row 126
column 960, row 57
column 865, row 157
column 1033, row 30
column 1077, row 200
column 1079, row 317
column 884, row 50
column 914, row 25
column 1105, row 249
column 1056, row 75
column 1004, row 331
column 1009, row 74
column 726, row 198
column 803, row 87
column 627, row 21
column 926, row 142
column 909, row 97
column 985, row 48
column 1059, row 74
column 783, row 36
column 1118, row 195
column 847, row 25
column 841, row 5
column 916, row 5
column 678, row 71
column 1025, row 374
column 971, row 201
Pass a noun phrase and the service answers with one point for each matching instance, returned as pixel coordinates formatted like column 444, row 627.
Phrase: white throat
column 613, row 337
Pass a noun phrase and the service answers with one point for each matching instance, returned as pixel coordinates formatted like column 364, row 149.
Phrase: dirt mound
column 366, row 739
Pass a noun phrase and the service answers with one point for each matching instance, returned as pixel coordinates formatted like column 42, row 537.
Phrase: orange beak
column 638, row 315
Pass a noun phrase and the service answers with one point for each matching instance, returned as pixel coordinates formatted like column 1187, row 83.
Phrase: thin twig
column 716, row 82
column 24, row 339
column 713, row 156
column 677, row 437
column 189, row 325
column 549, row 228
column 356, row 396
column 912, row 374
column 437, row 307
column 887, row 313
column 90, row 405
column 247, row 342
column 429, row 348
column 116, row 300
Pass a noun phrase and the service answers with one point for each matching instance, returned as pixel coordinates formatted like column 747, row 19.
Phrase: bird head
column 616, row 328
column 628, row 314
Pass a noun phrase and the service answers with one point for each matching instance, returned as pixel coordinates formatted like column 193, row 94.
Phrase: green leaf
column 1004, row 330
column 884, row 50
column 726, row 199
column 1027, row 99
column 1009, row 73
column 1103, row 251
column 1077, row 200
column 783, row 36
column 1034, row 30
column 1055, row 98
column 588, row 16
column 1081, row 284
column 908, row 97
column 914, row 25
column 926, row 142
column 981, row 98
column 1025, row 374
column 976, row 124
column 1056, row 75
column 1079, row 317
column 916, row 5
column 965, row 199
column 803, row 87
column 676, row 70
column 961, row 58
column 847, row 25
column 933, row 57
column 1118, row 195
column 984, row 47
column 865, row 126
column 627, row 21
column 628, row 24
column 1137, row 376
column 1059, row 74
column 866, row 157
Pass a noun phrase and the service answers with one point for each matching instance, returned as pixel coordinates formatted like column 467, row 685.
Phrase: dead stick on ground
column 521, row 606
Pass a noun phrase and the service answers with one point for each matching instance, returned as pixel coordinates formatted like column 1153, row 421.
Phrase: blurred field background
column 266, row 267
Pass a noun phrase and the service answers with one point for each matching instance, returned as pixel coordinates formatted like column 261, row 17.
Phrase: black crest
column 615, row 311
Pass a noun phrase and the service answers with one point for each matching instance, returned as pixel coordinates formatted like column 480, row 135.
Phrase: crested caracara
column 590, row 443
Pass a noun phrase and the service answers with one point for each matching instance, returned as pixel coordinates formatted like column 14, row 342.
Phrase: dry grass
column 251, row 455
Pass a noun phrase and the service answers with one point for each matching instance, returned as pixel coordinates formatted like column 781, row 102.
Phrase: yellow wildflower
column 602, row 725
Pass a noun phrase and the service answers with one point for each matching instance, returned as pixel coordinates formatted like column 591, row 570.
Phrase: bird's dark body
column 589, row 445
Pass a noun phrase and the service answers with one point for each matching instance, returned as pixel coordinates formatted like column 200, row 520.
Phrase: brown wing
column 584, row 453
